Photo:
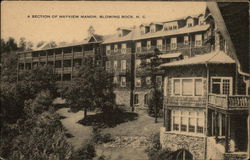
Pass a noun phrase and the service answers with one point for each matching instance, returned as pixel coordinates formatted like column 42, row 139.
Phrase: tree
column 11, row 45
column 32, row 82
column 155, row 98
column 80, row 94
column 103, row 90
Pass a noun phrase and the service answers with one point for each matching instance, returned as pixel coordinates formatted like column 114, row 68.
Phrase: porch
column 228, row 121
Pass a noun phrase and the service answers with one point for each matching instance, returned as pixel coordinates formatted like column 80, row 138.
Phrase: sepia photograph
column 125, row 80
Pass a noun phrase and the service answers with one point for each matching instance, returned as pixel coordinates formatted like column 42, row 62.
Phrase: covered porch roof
column 218, row 57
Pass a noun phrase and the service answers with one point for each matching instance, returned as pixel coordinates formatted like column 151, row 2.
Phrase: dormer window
column 201, row 20
column 152, row 28
column 143, row 30
column 190, row 22
column 119, row 33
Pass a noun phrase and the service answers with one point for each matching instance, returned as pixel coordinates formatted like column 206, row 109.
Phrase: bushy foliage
column 155, row 151
column 38, row 135
column 32, row 82
column 98, row 137
column 90, row 88
column 87, row 152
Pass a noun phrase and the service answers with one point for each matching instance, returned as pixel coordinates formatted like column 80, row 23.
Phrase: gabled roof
column 218, row 57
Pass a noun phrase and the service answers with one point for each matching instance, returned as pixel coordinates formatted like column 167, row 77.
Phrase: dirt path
column 80, row 134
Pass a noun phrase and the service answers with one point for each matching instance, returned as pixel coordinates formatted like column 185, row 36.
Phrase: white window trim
column 179, row 116
column 193, row 80
column 122, row 62
column 124, row 82
column 221, row 86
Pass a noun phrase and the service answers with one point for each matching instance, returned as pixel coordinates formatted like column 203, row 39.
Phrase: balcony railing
column 67, row 55
column 229, row 101
column 119, row 51
column 78, row 54
column 89, row 52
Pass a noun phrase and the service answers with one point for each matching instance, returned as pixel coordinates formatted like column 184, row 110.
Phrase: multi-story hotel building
column 206, row 100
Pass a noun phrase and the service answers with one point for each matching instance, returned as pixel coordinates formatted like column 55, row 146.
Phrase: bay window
column 187, row 121
column 187, row 87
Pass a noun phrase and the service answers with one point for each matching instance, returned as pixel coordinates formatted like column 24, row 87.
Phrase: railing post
column 227, row 102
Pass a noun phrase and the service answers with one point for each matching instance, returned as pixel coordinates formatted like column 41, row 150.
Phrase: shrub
column 87, row 152
column 42, row 102
column 100, row 138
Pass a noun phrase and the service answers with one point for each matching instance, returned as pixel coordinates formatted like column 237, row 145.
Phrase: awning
column 169, row 55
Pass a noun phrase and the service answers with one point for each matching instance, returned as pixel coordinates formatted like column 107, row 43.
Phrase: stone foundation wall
column 174, row 141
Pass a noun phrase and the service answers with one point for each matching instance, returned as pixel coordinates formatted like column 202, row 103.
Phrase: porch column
column 216, row 124
column 167, row 119
column 226, row 132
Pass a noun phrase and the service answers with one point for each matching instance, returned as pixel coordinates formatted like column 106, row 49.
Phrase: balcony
column 67, row 55
column 78, row 54
column 67, row 69
column 228, row 102
column 58, row 56
column 89, row 52
column 185, row 101
column 119, row 51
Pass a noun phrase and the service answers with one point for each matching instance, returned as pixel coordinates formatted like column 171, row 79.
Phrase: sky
column 17, row 17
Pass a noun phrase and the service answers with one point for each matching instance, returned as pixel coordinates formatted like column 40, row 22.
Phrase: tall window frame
column 225, row 84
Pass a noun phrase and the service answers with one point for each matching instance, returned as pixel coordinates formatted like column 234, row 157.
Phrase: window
column 188, row 121
column 190, row 22
column 176, row 86
column 108, row 50
column 138, row 46
column 174, row 27
column 123, row 65
column 159, row 44
column 115, row 80
column 187, row 87
column 201, row 20
column 115, row 65
column 138, row 63
column 142, row 30
column 123, row 81
column 136, row 99
column 159, row 80
column 173, row 44
column 148, row 44
column 107, row 65
column 186, row 40
column 138, row 82
column 148, row 60
column 221, row 85
column 116, row 48
column 124, row 46
column 152, row 28
column 198, row 40
column 198, row 87
column 148, row 80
